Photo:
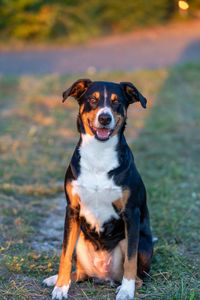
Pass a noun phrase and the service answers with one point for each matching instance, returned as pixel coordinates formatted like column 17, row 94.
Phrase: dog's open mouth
column 101, row 133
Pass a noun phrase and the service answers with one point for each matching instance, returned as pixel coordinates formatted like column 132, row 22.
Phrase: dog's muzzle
column 103, row 125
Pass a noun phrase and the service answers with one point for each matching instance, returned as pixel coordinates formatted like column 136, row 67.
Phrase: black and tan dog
column 107, row 231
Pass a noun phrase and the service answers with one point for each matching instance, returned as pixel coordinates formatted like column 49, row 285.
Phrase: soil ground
column 156, row 47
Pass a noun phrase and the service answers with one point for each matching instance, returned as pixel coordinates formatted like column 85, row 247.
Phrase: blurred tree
column 78, row 20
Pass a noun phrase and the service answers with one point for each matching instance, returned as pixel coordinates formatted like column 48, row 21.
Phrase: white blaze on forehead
column 105, row 110
column 105, row 96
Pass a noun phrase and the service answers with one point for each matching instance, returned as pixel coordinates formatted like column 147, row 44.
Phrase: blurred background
column 44, row 47
column 75, row 21
column 64, row 37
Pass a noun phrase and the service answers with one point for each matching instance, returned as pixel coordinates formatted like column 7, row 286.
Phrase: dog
column 107, row 231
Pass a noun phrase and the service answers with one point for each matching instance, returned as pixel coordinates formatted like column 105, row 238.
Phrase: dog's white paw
column 126, row 291
column 123, row 294
column 50, row 281
column 60, row 292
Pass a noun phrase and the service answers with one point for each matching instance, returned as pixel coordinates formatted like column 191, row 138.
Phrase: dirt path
column 147, row 48
column 51, row 230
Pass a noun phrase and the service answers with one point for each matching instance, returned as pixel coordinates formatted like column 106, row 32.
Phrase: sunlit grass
column 38, row 135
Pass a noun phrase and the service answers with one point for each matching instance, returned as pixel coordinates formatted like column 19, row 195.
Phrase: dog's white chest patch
column 96, row 190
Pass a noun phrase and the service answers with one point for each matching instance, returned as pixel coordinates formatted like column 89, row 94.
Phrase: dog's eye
column 93, row 100
column 115, row 101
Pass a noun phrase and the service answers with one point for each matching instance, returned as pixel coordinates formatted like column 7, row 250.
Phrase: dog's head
column 103, row 106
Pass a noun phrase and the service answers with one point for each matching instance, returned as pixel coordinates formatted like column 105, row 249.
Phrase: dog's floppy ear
column 77, row 89
column 132, row 94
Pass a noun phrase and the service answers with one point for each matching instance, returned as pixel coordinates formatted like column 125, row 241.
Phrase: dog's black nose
column 104, row 119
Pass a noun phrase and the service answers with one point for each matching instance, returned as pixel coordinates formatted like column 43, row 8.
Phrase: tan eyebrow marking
column 113, row 97
column 96, row 95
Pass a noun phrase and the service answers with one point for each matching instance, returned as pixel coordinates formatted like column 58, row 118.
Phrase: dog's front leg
column 132, row 222
column 71, row 231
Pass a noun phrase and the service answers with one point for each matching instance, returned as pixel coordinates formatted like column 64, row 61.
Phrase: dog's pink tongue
column 103, row 133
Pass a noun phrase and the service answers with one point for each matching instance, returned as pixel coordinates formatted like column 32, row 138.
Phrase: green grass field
column 38, row 135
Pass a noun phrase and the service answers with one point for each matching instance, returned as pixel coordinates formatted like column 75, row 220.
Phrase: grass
column 38, row 135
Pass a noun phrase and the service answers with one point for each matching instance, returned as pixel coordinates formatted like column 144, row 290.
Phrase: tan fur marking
column 96, row 95
column 113, row 97
column 123, row 248
column 120, row 203
column 81, row 109
column 89, row 116
column 66, row 256
column 74, row 198
column 130, row 265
